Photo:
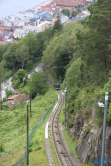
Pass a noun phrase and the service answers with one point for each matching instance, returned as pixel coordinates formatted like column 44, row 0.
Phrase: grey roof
column 5, row 33
column 49, row 18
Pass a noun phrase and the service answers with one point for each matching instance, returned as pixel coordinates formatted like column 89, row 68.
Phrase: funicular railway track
column 61, row 152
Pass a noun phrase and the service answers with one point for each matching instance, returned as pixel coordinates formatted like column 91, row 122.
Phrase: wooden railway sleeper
column 58, row 141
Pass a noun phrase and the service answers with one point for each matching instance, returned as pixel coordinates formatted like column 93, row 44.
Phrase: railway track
column 61, row 152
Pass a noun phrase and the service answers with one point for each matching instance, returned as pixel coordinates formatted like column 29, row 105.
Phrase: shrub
column 9, row 93
column 70, row 124
column 1, row 148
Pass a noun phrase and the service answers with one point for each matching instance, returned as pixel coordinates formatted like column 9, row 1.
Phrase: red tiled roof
column 47, row 7
column 57, row 5
column 69, row 3
column 3, row 43
column 2, row 27
column 18, row 97
column 68, row 21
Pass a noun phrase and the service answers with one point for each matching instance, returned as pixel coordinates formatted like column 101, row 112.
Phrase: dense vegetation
column 81, row 56
column 78, row 53
column 25, row 53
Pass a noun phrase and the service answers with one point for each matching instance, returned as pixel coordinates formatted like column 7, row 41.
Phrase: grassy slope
column 67, row 137
column 13, row 131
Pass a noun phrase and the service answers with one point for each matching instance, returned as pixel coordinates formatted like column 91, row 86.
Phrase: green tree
column 31, row 43
column 1, row 52
column 95, row 43
column 57, row 25
column 10, row 59
column 18, row 79
column 3, row 49
column 42, row 40
column 73, row 74
column 74, row 13
column 66, row 12
column 9, row 93
column 22, row 55
column 37, row 84
column 59, row 52
column 78, row 10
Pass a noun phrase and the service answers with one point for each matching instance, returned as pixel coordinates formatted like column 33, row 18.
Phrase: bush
column 70, row 124
column 38, row 148
column 1, row 148
column 18, row 79
column 9, row 93
column 109, row 115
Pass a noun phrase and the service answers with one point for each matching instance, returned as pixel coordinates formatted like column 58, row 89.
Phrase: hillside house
column 6, row 34
column 42, row 26
column 17, row 98
column 20, row 33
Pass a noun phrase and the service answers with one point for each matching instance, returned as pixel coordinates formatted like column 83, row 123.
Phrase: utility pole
column 27, row 130
column 30, row 103
column 104, row 129
column 1, row 71
column 30, row 97
column 0, row 94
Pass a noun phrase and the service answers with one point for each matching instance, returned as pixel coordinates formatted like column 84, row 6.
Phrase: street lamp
column 65, row 91
column 104, row 127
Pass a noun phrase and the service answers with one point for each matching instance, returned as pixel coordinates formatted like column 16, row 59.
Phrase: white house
column 42, row 26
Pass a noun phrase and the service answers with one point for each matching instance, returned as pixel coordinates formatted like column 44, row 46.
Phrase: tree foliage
column 43, row 39
column 60, row 51
column 18, row 79
column 37, row 84
column 74, row 13
column 3, row 49
column 87, row 78
column 26, row 52
column 66, row 12
column 22, row 55
column 95, row 43
column 10, row 58
column 79, row 52
column 57, row 25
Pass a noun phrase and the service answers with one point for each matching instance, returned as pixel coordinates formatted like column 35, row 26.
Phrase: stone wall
column 90, row 143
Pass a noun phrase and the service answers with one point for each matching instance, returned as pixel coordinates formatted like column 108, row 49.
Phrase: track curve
column 61, row 152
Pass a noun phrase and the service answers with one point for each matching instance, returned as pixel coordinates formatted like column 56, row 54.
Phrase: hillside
column 13, row 130
column 79, row 56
